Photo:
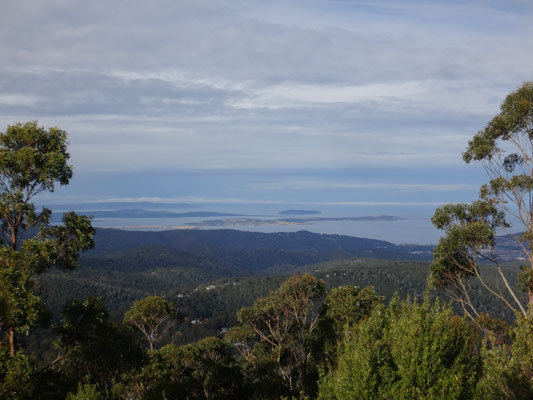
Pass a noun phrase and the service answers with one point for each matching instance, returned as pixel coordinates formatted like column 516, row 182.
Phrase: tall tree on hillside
column 154, row 317
column 285, row 323
column 33, row 160
column 505, row 149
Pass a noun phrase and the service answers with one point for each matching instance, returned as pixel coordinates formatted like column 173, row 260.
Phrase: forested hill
column 314, row 245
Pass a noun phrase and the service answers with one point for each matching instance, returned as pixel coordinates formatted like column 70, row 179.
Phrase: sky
column 304, row 103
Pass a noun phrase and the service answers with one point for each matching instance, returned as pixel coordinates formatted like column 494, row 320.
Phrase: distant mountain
column 313, row 247
column 139, row 213
column 299, row 212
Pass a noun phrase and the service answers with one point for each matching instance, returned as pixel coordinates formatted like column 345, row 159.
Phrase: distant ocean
column 414, row 228
column 409, row 230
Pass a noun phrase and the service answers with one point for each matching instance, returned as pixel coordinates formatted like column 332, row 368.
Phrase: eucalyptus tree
column 33, row 160
column 154, row 317
column 204, row 369
column 505, row 149
column 285, row 324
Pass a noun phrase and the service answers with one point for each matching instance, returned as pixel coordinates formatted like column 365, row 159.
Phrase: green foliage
column 494, row 330
column 20, row 308
column 33, row 156
column 525, row 279
column 33, row 160
column 73, row 236
column 17, row 376
column 86, row 392
column 93, row 349
column 154, row 317
column 469, row 228
column 508, row 369
column 436, row 353
column 200, row 370
column 406, row 351
column 21, row 379
column 504, row 148
column 365, row 364
column 514, row 120
column 285, row 322
column 214, row 303
column 347, row 305
column 81, row 322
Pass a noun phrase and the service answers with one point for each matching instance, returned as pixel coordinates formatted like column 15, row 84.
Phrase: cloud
column 179, row 79
column 240, row 85
column 302, row 184
column 13, row 99
column 236, row 201
column 298, row 95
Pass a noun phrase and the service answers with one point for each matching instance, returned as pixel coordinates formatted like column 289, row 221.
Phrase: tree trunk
column 12, row 341
column 530, row 283
column 14, row 237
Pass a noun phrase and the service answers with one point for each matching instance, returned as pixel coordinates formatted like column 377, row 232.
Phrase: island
column 286, row 221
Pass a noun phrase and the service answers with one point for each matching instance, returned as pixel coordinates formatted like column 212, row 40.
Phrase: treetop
column 33, row 158
column 514, row 120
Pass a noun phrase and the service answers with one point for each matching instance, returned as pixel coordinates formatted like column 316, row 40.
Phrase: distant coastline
column 286, row 221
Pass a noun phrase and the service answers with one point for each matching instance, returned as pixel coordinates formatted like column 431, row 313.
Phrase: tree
column 345, row 307
column 505, row 149
column 285, row 323
column 17, row 376
column 201, row 370
column 20, row 308
column 93, row 349
column 33, row 160
column 154, row 317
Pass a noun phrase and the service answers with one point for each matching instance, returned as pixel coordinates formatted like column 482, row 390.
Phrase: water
column 410, row 230
column 415, row 226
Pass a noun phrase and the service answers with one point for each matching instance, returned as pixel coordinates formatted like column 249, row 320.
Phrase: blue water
column 412, row 229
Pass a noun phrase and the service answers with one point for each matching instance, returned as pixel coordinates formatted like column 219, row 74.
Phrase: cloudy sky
column 251, row 102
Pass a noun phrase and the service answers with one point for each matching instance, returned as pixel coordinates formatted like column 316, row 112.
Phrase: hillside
column 320, row 246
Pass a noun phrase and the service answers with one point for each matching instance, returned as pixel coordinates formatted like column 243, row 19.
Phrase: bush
column 86, row 392
column 407, row 351
column 508, row 369
column 17, row 375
